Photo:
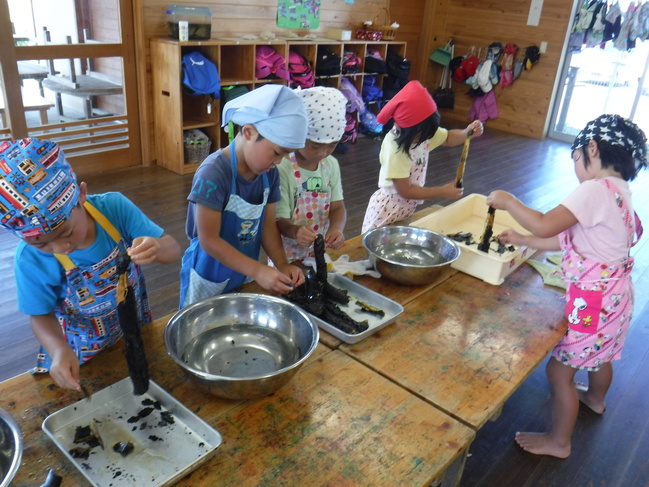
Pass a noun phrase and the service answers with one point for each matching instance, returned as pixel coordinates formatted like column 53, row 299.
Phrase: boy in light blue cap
column 231, row 213
column 71, row 244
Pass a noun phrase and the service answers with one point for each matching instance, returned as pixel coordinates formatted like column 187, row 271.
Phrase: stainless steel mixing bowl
column 11, row 447
column 241, row 346
column 409, row 255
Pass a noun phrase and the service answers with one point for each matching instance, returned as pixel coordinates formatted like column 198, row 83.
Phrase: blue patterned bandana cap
column 617, row 131
column 38, row 188
column 326, row 109
column 276, row 112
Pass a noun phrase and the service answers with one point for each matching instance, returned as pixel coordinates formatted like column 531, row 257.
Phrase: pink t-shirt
column 600, row 234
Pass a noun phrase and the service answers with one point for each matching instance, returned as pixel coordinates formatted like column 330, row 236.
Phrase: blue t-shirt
column 40, row 278
column 212, row 185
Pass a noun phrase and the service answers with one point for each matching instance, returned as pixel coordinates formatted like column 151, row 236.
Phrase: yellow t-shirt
column 395, row 164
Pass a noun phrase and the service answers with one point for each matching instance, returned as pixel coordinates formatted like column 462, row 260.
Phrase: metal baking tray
column 163, row 453
column 357, row 291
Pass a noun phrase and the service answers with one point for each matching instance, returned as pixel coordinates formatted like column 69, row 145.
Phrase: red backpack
column 300, row 71
column 269, row 62
column 351, row 128
column 351, row 63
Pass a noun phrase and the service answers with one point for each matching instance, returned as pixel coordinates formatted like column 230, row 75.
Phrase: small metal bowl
column 409, row 255
column 241, row 346
column 11, row 447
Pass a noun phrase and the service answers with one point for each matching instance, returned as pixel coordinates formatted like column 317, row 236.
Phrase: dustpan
column 442, row 55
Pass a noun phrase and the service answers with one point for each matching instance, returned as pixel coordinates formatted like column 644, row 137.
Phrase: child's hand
column 305, row 236
column 499, row 199
column 334, row 239
column 281, row 280
column 65, row 368
column 477, row 127
column 512, row 237
column 144, row 250
column 450, row 191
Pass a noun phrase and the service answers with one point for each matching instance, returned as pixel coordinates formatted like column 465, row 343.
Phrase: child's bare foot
column 541, row 444
column 582, row 392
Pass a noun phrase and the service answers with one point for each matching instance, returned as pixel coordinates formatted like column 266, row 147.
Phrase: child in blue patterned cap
column 312, row 193
column 70, row 245
column 595, row 227
column 231, row 213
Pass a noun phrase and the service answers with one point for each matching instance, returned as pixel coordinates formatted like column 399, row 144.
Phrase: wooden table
column 336, row 423
column 465, row 346
column 31, row 102
column 85, row 86
column 28, row 70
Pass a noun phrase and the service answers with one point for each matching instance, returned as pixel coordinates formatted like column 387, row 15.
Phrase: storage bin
column 469, row 215
column 197, row 146
column 198, row 18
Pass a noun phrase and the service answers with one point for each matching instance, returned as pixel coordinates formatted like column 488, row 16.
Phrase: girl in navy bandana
column 594, row 227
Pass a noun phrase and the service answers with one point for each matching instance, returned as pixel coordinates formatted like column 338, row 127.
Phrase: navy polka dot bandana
column 618, row 131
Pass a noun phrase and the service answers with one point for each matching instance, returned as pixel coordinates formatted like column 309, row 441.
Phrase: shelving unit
column 175, row 111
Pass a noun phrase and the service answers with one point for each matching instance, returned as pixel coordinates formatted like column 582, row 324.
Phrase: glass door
column 598, row 80
column 74, row 63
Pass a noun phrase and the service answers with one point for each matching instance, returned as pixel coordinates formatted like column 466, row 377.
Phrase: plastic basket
column 197, row 146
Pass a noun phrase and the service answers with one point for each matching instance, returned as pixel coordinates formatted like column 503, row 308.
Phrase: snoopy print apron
column 386, row 205
column 201, row 275
column 312, row 205
column 599, row 301
column 88, row 313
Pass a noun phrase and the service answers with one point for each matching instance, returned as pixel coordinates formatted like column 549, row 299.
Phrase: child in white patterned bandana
column 595, row 227
column 312, row 193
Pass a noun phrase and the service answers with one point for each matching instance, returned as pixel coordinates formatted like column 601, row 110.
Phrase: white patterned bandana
column 325, row 109
column 618, row 131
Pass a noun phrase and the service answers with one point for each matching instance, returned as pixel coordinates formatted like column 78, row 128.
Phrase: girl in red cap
column 404, row 156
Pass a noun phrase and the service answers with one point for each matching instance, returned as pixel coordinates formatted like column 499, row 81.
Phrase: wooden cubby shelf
column 174, row 111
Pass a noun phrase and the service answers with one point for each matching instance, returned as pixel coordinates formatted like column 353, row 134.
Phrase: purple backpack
column 269, row 63
column 354, row 98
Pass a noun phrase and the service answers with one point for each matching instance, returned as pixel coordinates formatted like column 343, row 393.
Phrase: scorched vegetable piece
column 338, row 318
column 370, row 309
column 128, row 321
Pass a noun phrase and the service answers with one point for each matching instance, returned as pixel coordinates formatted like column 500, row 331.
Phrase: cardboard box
column 339, row 34
column 469, row 215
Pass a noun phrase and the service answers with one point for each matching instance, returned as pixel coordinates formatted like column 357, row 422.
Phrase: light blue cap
column 276, row 111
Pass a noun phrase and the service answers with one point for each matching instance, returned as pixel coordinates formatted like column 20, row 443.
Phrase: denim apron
column 312, row 207
column 201, row 275
column 88, row 313
column 599, row 300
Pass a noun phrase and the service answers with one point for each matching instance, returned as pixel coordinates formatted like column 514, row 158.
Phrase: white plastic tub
column 468, row 215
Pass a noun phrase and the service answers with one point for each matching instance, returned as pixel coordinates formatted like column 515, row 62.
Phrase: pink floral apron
column 599, row 301
column 386, row 205
column 88, row 313
column 312, row 205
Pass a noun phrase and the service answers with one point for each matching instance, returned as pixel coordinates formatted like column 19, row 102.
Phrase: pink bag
column 269, row 62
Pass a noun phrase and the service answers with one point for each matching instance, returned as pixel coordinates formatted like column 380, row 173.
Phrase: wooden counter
column 465, row 346
column 336, row 423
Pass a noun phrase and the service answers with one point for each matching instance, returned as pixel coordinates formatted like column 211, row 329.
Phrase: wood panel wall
column 424, row 25
column 525, row 106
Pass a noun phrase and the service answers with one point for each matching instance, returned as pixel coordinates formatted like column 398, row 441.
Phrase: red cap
column 412, row 105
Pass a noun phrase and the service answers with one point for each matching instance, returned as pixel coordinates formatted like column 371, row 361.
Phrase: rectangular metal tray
column 163, row 453
column 357, row 291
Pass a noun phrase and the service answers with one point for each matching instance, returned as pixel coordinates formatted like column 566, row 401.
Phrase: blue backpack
column 200, row 76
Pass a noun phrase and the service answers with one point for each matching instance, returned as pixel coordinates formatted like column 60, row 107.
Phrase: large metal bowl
column 241, row 346
column 11, row 447
column 409, row 255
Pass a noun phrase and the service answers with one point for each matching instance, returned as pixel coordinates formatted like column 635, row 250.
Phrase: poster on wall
column 298, row 14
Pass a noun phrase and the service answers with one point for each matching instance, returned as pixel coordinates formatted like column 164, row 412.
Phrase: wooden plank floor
column 610, row 450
